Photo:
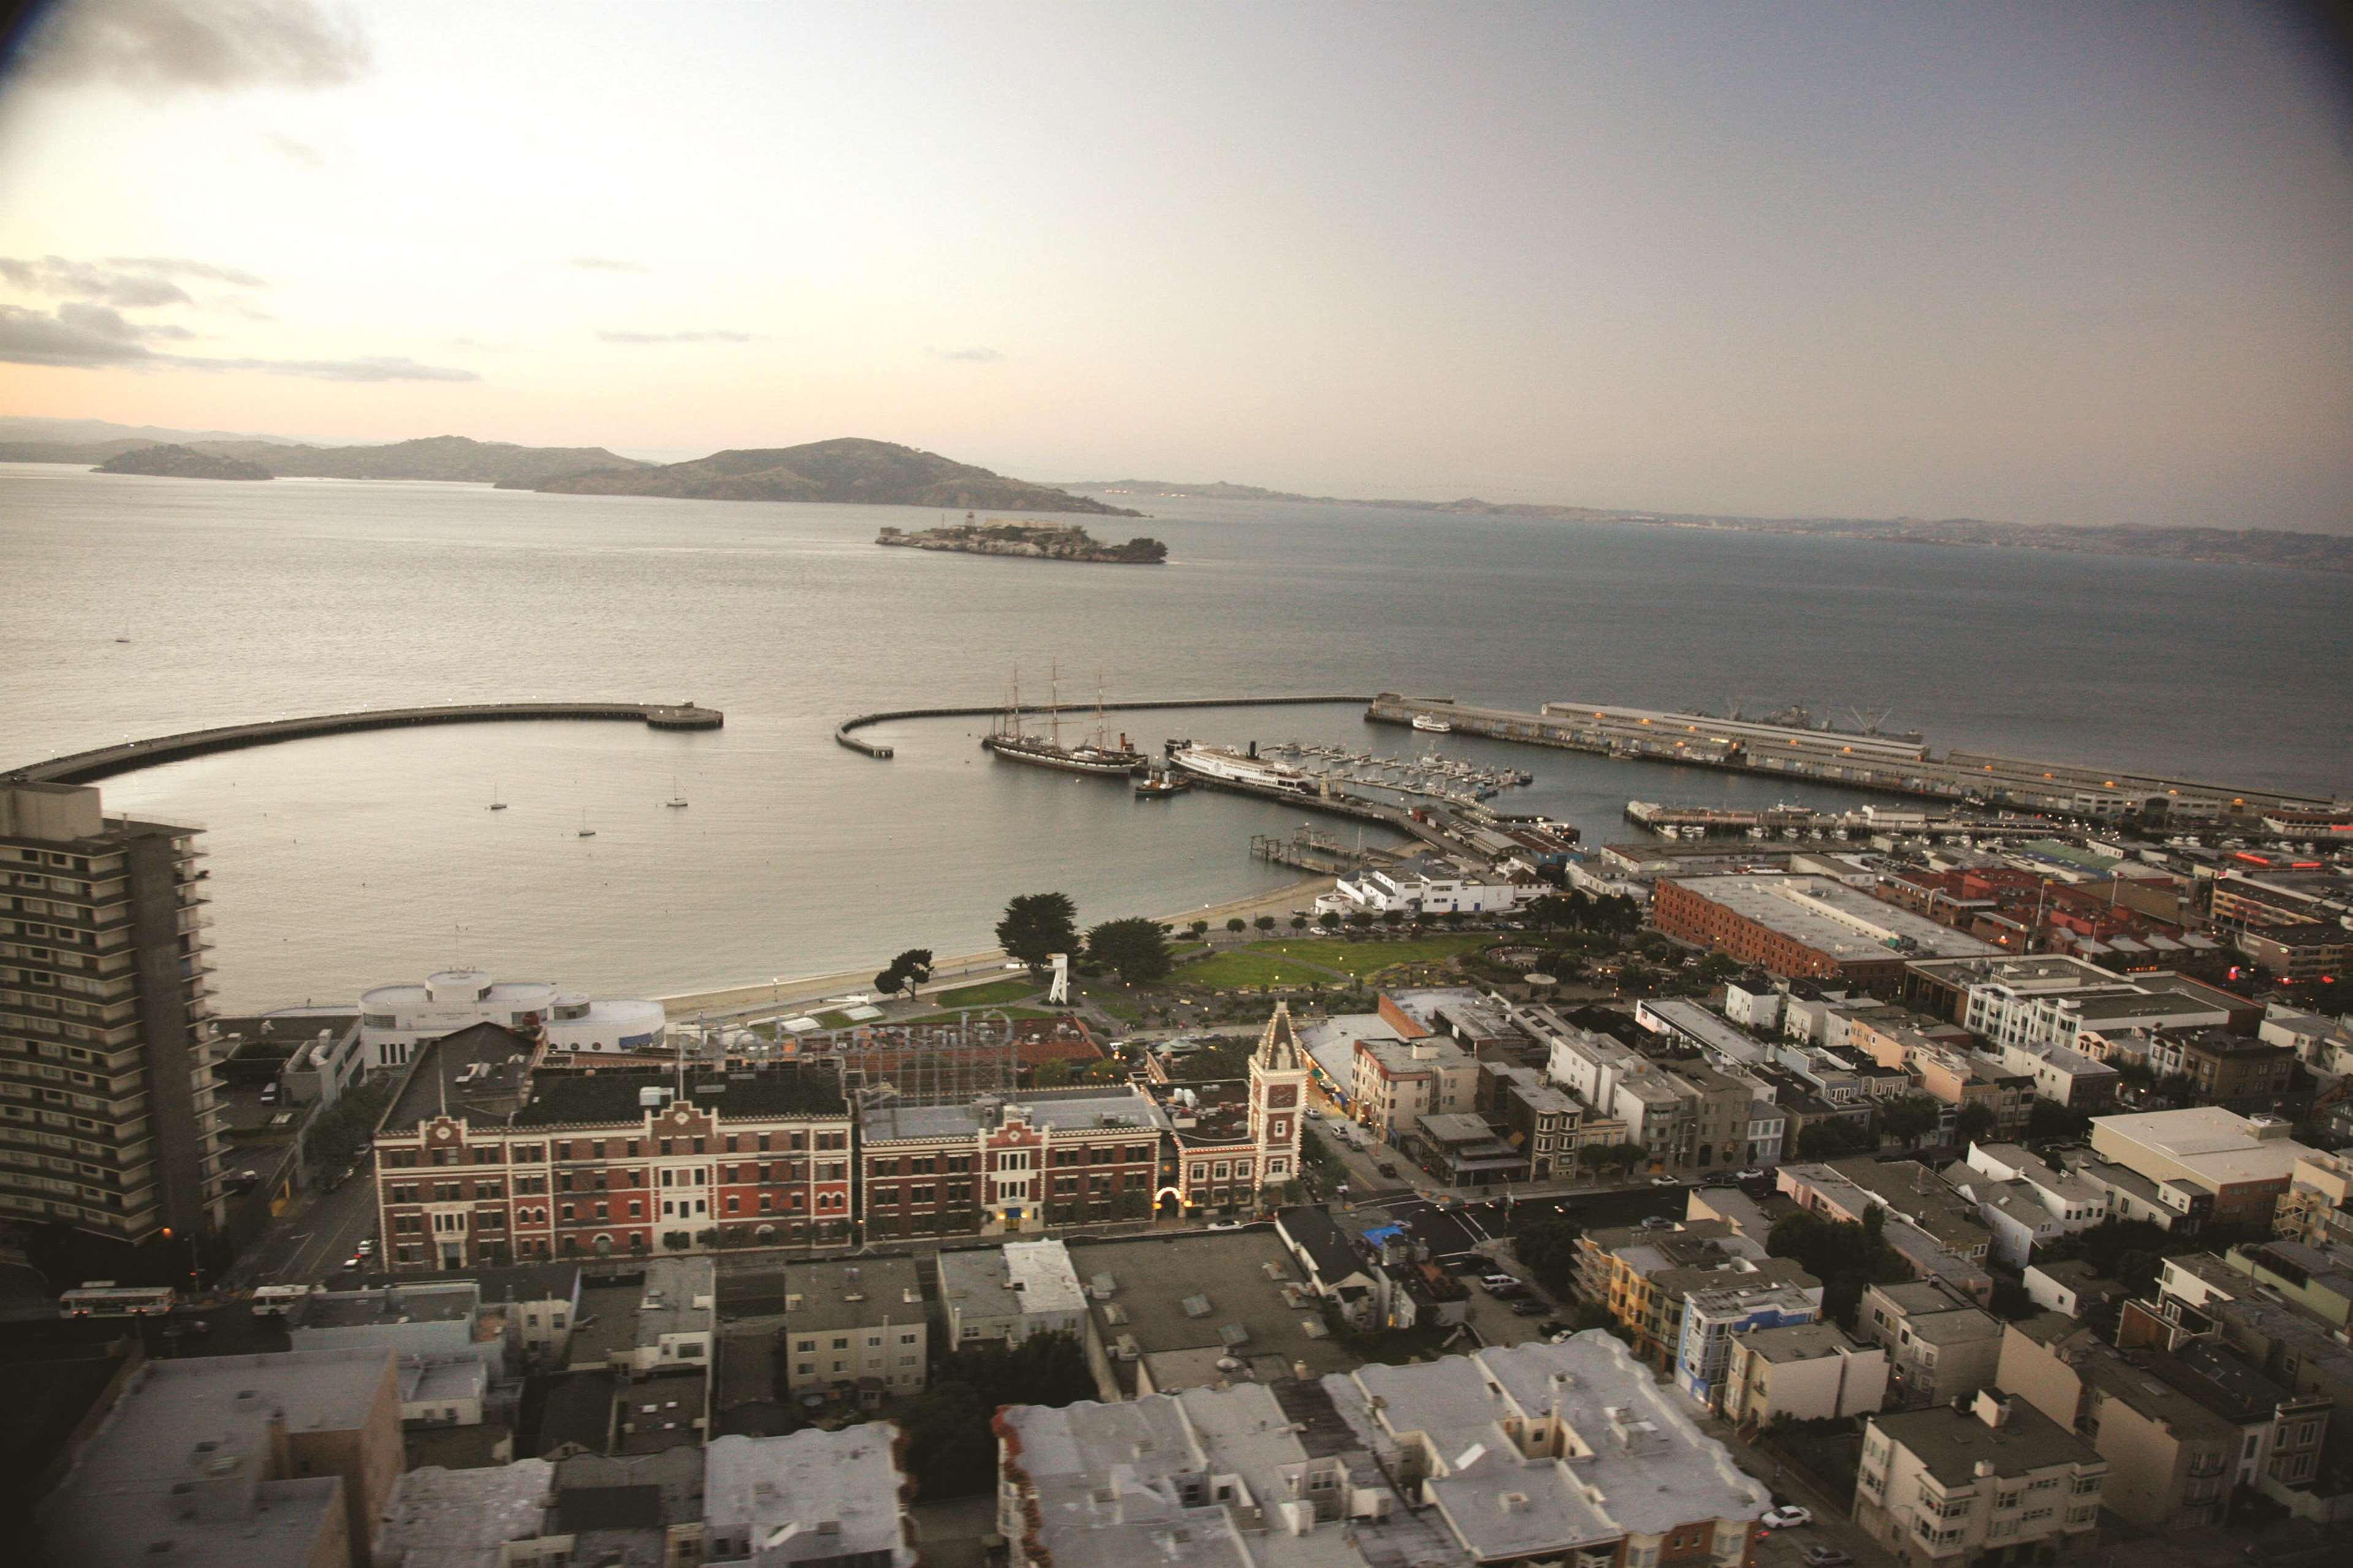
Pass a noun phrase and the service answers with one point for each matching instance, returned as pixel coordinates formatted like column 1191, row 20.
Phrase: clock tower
column 1278, row 1099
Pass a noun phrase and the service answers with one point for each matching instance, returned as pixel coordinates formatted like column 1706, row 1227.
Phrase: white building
column 395, row 1019
column 1802, row 1371
column 2023, row 1200
column 1687, row 1023
column 1459, row 892
column 1011, row 1292
column 814, row 1496
column 1949, row 1484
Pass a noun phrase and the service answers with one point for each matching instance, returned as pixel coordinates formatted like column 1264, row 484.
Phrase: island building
column 108, row 1121
column 395, row 1019
column 486, row 1158
column 1991, row 1481
column 1563, row 1453
column 284, row 1460
column 1801, row 925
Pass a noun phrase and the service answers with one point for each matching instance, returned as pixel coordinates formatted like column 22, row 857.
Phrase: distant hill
column 181, row 463
column 82, row 453
column 21, row 427
column 447, row 458
column 850, row 469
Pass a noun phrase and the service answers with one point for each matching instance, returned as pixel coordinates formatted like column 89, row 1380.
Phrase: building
column 395, row 1019
column 2048, row 1000
column 494, row 1517
column 107, row 1117
column 1811, row 926
column 2225, row 1298
column 1184, row 1312
column 1335, row 1268
column 997, row 1165
column 1011, row 1292
column 2317, row 1209
column 2242, row 1164
column 2226, row 1069
column 855, row 1329
column 811, row 1500
column 2181, row 1432
column 1561, row 1452
column 2072, row 1287
column 660, row 1320
column 244, row 1461
column 2024, row 1202
column 1997, row 1482
column 1934, row 1228
column 1234, row 1143
column 1940, row 1346
column 1395, row 1083
column 2065, row 1076
column 1681, row 1294
column 1441, row 890
column 1802, row 1371
column 484, row 1159
column 1537, row 1117
column 437, row 1322
column 1717, row 1038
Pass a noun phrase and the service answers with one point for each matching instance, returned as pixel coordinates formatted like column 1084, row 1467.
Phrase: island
column 181, row 463
column 1037, row 541
column 849, row 470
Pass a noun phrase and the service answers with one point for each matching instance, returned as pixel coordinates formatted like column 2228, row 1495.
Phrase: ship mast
column 1054, row 700
column 1013, row 713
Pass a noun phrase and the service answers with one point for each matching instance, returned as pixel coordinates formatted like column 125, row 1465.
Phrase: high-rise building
column 107, row 1118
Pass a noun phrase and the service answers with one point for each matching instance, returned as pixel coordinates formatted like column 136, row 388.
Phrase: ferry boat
column 1237, row 767
column 1011, row 739
column 1159, row 787
column 1430, row 723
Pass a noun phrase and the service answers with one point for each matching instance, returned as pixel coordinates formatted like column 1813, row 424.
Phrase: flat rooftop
column 849, row 1295
column 610, row 1099
column 1834, row 919
column 2221, row 1146
column 480, row 1073
column 1799, row 1342
column 1087, row 1110
column 1021, row 1276
column 451, row 1303
column 1183, row 1302
column 460, row 1518
column 841, row 1488
column 1951, row 1442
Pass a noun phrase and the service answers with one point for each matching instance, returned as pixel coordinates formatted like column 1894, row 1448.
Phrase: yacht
column 1430, row 723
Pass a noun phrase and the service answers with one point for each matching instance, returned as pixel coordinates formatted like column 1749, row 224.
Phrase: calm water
column 344, row 862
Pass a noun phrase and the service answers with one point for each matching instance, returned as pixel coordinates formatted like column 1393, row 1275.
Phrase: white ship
column 1216, row 762
column 1431, row 724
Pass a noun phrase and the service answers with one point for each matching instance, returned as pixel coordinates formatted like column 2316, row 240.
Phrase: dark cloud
column 972, row 355
column 160, row 47
column 87, row 335
column 676, row 337
column 607, row 264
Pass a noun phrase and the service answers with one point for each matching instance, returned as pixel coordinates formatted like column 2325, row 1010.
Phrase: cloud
column 163, row 47
column 294, row 150
column 676, row 337
column 85, row 335
column 137, row 283
column 607, row 264
column 971, row 355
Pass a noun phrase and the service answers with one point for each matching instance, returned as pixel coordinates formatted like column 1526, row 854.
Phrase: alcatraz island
column 1040, row 541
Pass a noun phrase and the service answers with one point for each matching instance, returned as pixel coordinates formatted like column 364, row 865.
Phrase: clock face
column 1283, row 1094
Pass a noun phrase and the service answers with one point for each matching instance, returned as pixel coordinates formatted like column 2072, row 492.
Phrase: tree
column 907, row 970
column 1299, row 922
column 2048, row 1121
column 1132, row 949
column 1036, row 927
column 1329, row 920
column 1845, row 1258
column 951, row 1451
column 1546, row 1243
column 1909, row 1119
column 1237, row 923
column 1199, row 927
column 1974, row 1123
column 1264, row 922
column 1392, row 917
column 1829, row 1139
column 1051, row 1075
column 1360, row 919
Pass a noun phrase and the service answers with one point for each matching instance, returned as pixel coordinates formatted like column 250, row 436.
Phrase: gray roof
column 849, row 1295
column 462, row 1518
column 1086, row 1109
column 811, row 1495
column 1950, row 1442
column 1799, row 1342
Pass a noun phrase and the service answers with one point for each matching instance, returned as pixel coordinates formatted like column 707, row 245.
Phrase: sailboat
column 1010, row 741
column 496, row 804
column 676, row 799
column 586, row 831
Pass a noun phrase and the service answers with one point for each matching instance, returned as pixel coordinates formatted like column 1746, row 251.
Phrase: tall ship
column 1011, row 739
column 1239, row 767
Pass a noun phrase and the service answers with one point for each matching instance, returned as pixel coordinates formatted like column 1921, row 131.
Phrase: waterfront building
column 1814, row 926
column 108, row 1121
column 1996, row 1482
column 483, row 1160
column 395, row 1019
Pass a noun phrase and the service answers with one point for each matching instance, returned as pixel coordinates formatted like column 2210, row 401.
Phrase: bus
column 105, row 1298
column 277, row 1300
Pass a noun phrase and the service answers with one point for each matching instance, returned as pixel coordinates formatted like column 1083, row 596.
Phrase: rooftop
column 1799, row 1342
column 2221, row 1146
column 1184, row 1303
column 480, row 1074
column 1843, row 922
column 463, row 1519
column 811, row 1495
column 1950, row 1442
column 849, row 1295
column 1086, row 1109
column 615, row 1098
column 450, row 1303
column 1010, row 1282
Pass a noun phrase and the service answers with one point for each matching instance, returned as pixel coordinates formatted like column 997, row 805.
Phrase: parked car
column 1529, row 1309
column 1664, row 1181
column 1827, row 1557
column 1788, row 1516
column 367, row 1246
column 1751, row 1175
column 1387, row 1168
column 1657, row 1222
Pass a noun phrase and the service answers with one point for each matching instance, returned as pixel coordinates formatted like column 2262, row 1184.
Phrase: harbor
column 1428, row 775
column 1800, row 822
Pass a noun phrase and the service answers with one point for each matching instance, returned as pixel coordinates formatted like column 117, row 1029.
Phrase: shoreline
column 956, row 970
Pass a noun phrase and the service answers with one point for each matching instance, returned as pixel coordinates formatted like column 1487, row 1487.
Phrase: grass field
column 957, row 1017
column 989, row 992
column 831, row 1020
column 1249, row 966
column 1362, row 958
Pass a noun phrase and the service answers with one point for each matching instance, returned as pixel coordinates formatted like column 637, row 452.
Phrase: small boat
column 1158, row 786
column 676, row 800
column 1431, row 724
column 496, row 804
column 586, row 831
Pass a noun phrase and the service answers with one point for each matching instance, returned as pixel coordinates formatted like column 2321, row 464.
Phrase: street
column 309, row 1245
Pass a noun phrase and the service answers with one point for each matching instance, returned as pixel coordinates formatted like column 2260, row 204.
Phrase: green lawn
column 957, row 1017
column 831, row 1020
column 1362, row 958
column 989, row 992
column 1249, row 966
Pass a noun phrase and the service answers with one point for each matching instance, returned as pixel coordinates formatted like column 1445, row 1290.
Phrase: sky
column 2078, row 263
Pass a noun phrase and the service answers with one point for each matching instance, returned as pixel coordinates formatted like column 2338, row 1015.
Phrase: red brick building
column 482, row 1161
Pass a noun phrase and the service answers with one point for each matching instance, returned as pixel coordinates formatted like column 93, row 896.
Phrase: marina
column 1428, row 775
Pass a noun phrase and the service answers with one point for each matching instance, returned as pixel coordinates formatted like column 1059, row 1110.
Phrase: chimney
column 1993, row 1407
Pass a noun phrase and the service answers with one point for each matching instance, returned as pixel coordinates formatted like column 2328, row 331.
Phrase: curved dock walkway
column 843, row 733
column 82, row 767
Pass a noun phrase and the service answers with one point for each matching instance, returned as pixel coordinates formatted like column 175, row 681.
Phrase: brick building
column 483, row 1161
column 1810, row 926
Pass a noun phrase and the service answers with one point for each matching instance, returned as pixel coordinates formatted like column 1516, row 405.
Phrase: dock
column 106, row 762
column 1800, row 822
column 846, row 733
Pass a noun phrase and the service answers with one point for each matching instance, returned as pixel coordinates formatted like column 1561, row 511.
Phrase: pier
column 106, row 762
column 1800, row 822
column 845, row 732
column 1866, row 760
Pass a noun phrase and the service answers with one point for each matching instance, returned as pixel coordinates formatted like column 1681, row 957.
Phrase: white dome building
column 395, row 1019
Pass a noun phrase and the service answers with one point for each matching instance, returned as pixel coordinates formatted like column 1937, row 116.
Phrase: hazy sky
column 2057, row 263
